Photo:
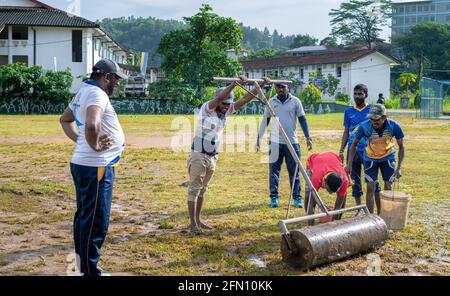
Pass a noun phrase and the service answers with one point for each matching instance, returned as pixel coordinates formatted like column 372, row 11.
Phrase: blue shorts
column 387, row 169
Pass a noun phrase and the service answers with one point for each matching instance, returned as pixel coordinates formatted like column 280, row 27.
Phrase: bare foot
column 196, row 230
column 204, row 225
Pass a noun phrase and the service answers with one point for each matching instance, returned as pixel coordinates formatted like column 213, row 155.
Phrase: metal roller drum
column 312, row 246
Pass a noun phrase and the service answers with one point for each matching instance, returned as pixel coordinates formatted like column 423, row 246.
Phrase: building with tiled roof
column 35, row 33
column 368, row 66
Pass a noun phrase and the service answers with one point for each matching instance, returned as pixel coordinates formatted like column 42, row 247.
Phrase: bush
column 310, row 94
column 393, row 103
column 54, row 86
column 19, row 80
column 342, row 97
column 174, row 91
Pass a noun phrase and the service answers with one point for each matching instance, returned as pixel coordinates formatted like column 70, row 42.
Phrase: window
column 77, row 46
column 97, row 44
column 20, row 59
column 4, row 33
column 3, row 60
column 447, row 17
column 302, row 73
column 339, row 71
column 398, row 20
column 20, row 33
column 410, row 20
column 432, row 19
column 411, row 9
column 401, row 9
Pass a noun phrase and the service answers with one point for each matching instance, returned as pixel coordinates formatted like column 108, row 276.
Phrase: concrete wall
column 375, row 72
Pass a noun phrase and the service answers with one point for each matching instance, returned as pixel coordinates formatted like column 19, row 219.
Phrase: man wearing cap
column 288, row 109
column 205, row 147
column 353, row 116
column 91, row 122
column 379, row 132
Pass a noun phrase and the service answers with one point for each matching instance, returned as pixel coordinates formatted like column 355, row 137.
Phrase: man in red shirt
column 326, row 171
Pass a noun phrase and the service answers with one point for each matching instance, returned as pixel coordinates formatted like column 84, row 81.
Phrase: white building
column 367, row 66
column 37, row 34
column 232, row 53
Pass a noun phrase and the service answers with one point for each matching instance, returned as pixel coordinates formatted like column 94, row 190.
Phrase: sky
column 286, row 16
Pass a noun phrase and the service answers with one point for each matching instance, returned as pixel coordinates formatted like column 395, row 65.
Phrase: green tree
column 138, row 33
column 427, row 45
column 20, row 80
column 360, row 20
column 311, row 94
column 407, row 80
column 261, row 53
column 196, row 54
column 328, row 85
column 330, row 41
column 303, row 40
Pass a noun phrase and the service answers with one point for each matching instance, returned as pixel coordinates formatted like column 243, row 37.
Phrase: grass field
column 148, row 231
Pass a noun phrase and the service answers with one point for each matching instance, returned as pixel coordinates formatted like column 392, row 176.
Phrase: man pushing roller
column 205, row 147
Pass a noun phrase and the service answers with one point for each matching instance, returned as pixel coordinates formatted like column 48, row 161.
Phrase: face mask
column 359, row 102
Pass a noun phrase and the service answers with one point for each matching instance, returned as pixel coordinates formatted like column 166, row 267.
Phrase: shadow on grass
column 224, row 210
column 9, row 258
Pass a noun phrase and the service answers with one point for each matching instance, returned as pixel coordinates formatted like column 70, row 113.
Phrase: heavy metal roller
column 316, row 245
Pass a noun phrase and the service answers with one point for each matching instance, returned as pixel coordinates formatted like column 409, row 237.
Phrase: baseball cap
column 282, row 83
column 107, row 66
column 229, row 99
column 377, row 111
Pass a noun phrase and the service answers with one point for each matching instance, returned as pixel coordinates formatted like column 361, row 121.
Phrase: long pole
column 262, row 98
column 229, row 80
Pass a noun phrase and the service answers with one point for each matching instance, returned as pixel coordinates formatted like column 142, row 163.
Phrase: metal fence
column 431, row 98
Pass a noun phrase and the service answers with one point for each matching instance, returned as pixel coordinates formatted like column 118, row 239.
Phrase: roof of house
column 325, row 58
column 42, row 16
column 399, row 2
column 308, row 48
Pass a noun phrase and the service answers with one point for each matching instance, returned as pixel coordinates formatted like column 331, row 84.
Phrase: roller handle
column 229, row 80
column 282, row 224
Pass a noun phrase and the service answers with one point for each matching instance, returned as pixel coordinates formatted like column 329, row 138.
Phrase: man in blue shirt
column 353, row 116
column 379, row 132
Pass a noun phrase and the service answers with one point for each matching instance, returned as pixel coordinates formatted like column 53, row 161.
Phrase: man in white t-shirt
column 205, row 147
column 91, row 122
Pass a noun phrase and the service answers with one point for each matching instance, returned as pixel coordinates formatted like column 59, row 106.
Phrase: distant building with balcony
column 406, row 14
column 33, row 33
